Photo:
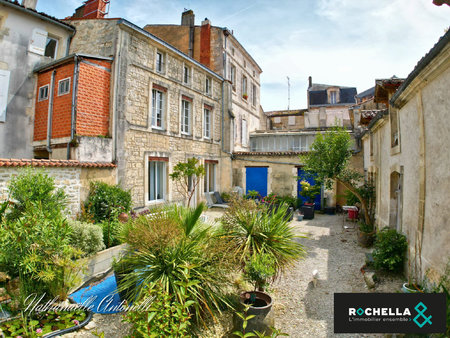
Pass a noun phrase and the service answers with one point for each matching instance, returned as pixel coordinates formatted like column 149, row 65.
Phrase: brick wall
column 93, row 99
column 62, row 105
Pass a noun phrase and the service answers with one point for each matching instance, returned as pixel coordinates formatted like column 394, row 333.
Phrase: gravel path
column 301, row 310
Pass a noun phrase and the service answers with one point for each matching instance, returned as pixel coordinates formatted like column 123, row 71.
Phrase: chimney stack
column 310, row 81
column 30, row 4
column 188, row 18
column 91, row 9
column 205, row 43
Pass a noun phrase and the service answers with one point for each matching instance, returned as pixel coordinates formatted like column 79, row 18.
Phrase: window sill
column 155, row 202
column 158, row 129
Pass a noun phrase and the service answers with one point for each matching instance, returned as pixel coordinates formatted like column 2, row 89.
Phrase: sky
column 338, row 42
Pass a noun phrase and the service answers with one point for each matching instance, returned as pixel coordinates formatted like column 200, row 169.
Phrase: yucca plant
column 176, row 244
column 250, row 230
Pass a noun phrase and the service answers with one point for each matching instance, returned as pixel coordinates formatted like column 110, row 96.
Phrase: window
column 64, row 86
column 394, row 127
column 207, row 123
column 4, row 87
column 186, row 75
column 291, row 120
column 233, row 76
column 210, row 176
column 156, row 178
column 244, row 133
column 43, row 93
column 244, row 87
column 245, row 64
column 277, row 119
column 208, row 86
column 185, row 117
column 51, row 47
column 254, row 73
column 333, row 97
column 232, row 51
column 253, row 95
column 157, row 109
column 159, row 62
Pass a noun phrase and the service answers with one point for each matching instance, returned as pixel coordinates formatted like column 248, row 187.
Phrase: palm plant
column 251, row 230
column 177, row 249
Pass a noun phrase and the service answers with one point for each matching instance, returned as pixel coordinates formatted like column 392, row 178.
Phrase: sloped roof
column 13, row 162
column 41, row 15
column 368, row 92
column 320, row 97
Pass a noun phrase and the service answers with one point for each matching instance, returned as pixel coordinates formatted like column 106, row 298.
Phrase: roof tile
column 53, row 163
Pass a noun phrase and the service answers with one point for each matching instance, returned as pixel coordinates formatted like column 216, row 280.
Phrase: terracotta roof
column 13, row 162
column 31, row 11
column 269, row 153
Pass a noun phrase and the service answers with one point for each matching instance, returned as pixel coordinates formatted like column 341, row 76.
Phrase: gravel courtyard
column 301, row 310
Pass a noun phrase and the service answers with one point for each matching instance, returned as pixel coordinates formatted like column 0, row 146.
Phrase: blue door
column 256, row 178
column 303, row 176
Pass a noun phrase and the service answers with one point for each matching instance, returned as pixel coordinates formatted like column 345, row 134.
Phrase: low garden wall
column 72, row 176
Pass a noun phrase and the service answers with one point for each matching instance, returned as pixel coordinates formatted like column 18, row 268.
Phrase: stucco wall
column 16, row 30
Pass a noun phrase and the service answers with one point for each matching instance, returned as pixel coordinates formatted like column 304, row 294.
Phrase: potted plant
column 309, row 192
column 245, row 96
column 366, row 234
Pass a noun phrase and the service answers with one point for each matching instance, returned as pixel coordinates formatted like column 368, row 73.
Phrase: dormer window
column 333, row 97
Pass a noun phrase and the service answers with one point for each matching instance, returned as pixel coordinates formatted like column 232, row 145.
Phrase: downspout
column 74, row 103
column 50, row 112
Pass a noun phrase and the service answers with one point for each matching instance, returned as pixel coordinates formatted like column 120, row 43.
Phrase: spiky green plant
column 176, row 244
column 251, row 230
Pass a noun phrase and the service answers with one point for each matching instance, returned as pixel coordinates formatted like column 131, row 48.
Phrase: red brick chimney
column 91, row 9
column 205, row 43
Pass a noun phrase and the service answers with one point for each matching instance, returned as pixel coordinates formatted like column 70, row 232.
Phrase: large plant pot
column 365, row 239
column 261, row 308
column 406, row 288
column 307, row 211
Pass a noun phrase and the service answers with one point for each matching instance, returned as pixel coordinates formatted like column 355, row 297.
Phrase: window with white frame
column 244, row 87
column 291, row 120
column 186, row 74
column 233, row 75
column 51, row 47
column 210, row 176
column 244, row 132
column 207, row 122
column 64, row 86
column 43, row 93
column 185, row 116
column 159, row 62
column 156, row 178
column 333, row 97
column 157, row 109
column 208, row 85
column 253, row 95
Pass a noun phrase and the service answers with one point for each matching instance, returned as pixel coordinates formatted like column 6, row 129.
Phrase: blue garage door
column 310, row 179
column 256, row 178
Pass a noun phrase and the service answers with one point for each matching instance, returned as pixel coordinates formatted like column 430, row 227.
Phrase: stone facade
column 218, row 49
column 405, row 153
column 138, row 138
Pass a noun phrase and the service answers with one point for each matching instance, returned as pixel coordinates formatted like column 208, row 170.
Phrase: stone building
column 27, row 39
column 405, row 153
column 165, row 107
column 218, row 49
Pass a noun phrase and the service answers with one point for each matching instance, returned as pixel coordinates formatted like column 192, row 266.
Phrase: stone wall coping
column 12, row 162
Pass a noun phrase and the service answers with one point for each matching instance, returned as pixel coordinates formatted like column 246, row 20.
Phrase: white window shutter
column 38, row 41
column 4, row 85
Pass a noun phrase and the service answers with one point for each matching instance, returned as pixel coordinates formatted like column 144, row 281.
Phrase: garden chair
column 211, row 203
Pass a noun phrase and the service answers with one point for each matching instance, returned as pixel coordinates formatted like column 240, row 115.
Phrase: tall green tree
column 329, row 159
column 186, row 176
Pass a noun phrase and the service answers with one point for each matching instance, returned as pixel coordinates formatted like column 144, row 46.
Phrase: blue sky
column 341, row 42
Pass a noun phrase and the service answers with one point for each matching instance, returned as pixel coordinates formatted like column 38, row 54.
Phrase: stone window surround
column 210, row 108
column 208, row 85
column 163, row 156
column 188, row 69
column 59, row 86
column 163, row 61
column 190, row 100
column 40, row 98
column 210, row 164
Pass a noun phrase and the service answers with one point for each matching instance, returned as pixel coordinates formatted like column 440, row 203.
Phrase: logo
column 389, row 313
column 421, row 315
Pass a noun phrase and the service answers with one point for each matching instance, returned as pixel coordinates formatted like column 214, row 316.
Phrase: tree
column 329, row 159
column 186, row 176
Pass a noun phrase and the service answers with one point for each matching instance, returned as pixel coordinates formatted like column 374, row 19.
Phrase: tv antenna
column 289, row 91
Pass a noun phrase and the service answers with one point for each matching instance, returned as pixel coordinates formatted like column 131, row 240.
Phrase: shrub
column 172, row 246
column 87, row 237
column 106, row 202
column 249, row 229
column 259, row 270
column 111, row 232
column 167, row 316
column 34, row 185
column 390, row 248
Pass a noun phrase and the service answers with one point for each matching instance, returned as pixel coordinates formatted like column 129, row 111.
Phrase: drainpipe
column 50, row 111
column 76, row 70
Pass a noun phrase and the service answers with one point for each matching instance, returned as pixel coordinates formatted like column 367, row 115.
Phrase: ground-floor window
column 210, row 176
column 157, row 178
